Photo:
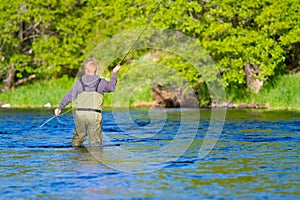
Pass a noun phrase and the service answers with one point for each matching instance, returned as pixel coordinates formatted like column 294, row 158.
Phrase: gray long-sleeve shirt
column 89, row 82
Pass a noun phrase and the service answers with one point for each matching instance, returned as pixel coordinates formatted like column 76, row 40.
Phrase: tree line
column 251, row 41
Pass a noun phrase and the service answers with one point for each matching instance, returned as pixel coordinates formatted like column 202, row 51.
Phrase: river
column 256, row 156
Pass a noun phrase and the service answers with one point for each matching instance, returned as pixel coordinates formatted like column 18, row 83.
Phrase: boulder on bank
column 145, row 104
column 173, row 97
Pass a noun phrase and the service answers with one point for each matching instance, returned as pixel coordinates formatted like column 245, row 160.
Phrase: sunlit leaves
column 253, row 31
column 48, row 37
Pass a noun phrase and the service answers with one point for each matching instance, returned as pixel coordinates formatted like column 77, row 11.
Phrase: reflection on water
column 256, row 157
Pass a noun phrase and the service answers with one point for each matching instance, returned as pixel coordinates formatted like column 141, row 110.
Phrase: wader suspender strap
column 83, row 88
column 97, row 85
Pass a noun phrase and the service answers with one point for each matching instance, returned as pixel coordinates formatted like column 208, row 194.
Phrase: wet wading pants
column 88, row 119
column 87, row 122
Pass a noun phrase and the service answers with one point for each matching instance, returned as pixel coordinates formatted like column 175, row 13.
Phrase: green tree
column 251, row 41
column 42, row 37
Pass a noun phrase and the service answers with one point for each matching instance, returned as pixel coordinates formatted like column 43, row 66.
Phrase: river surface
column 255, row 157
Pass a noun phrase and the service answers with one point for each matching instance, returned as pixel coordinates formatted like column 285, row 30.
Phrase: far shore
column 154, row 104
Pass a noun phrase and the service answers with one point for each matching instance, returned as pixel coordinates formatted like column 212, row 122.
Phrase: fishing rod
column 152, row 13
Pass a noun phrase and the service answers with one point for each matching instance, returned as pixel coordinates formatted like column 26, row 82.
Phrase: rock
column 164, row 97
column 221, row 105
column 7, row 105
column 295, row 70
column 47, row 105
column 243, row 105
column 145, row 104
column 173, row 97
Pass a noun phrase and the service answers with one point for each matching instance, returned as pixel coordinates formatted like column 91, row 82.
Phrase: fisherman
column 87, row 93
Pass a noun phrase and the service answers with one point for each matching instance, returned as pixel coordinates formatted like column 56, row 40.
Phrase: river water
column 255, row 157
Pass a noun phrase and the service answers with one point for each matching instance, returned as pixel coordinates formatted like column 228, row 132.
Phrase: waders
column 88, row 117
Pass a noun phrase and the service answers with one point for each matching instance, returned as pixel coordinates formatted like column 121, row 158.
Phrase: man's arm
column 111, row 84
column 68, row 98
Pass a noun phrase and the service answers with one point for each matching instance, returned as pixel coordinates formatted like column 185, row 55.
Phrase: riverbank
column 284, row 94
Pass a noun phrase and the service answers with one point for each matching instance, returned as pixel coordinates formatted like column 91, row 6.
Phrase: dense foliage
column 53, row 37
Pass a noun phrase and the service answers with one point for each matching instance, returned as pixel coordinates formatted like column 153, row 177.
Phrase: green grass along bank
column 283, row 94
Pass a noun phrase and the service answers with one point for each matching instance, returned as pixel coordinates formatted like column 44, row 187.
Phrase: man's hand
column 117, row 69
column 57, row 111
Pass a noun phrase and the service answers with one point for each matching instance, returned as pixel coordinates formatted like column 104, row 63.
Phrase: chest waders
column 88, row 117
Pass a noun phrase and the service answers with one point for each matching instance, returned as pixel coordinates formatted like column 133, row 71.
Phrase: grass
column 39, row 93
column 285, row 94
column 123, row 99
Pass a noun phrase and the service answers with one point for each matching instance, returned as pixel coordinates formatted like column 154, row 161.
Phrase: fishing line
column 56, row 118
column 152, row 13
column 60, row 122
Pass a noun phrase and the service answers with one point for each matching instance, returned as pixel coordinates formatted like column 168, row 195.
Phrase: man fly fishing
column 88, row 92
